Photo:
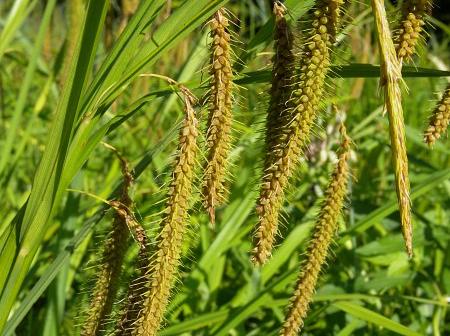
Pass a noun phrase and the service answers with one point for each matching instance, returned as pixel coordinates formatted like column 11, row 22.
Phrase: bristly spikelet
column 218, row 136
column 304, row 106
column 390, row 80
column 439, row 119
column 167, row 256
column 412, row 21
column 108, row 277
column 138, row 286
column 281, row 86
column 107, row 282
column 324, row 230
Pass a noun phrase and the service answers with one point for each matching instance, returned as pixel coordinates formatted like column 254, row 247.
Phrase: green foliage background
column 52, row 163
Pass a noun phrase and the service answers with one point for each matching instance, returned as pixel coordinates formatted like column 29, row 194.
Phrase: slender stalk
column 390, row 81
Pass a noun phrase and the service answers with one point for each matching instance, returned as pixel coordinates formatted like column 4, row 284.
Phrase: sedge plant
column 90, row 85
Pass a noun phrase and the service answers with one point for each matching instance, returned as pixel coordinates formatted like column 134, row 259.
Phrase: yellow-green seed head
column 439, row 119
column 108, row 277
column 317, row 251
column 138, row 287
column 218, row 137
column 304, row 104
column 167, row 256
column 281, row 87
column 107, row 282
column 410, row 29
column 391, row 78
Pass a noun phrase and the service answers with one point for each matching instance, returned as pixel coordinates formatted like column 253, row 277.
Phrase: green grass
column 50, row 135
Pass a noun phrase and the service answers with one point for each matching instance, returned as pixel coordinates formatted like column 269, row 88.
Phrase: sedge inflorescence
column 218, row 136
column 391, row 79
column 304, row 104
column 138, row 287
column 283, row 72
column 324, row 231
column 439, row 119
column 108, row 276
column 107, row 282
column 166, row 258
column 410, row 29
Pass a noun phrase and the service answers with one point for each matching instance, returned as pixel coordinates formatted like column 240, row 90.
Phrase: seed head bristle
column 325, row 228
column 391, row 79
column 303, row 107
column 409, row 32
column 107, row 282
column 439, row 119
column 138, row 286
column 108, row 276
column 281, row 85
column 167, row 256
column 218, row 136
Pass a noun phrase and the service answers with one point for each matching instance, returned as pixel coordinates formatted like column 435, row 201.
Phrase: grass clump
column 66, row 106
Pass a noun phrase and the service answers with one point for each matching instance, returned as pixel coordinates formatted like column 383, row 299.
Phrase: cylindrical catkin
column 108, row 277
column 283, row 71
column 107, row 282
column 325, row 228
column 278, row 115
column 439, row 119
column 218, row 136
column 138, row 286
column 305, row 103
column 167, row 256
column 409, row 32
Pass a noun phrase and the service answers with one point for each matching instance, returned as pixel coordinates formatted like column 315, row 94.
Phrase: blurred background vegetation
column 369, row 287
